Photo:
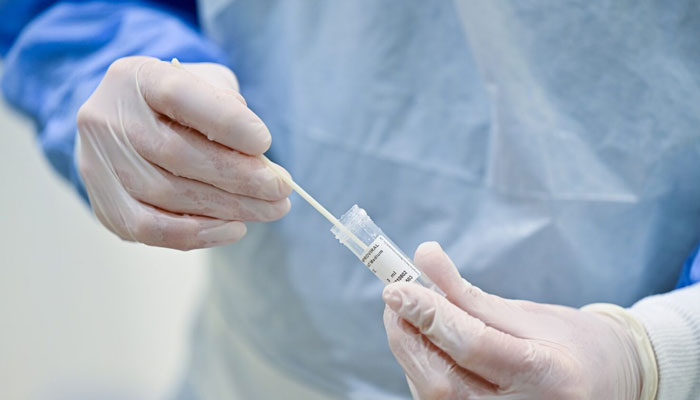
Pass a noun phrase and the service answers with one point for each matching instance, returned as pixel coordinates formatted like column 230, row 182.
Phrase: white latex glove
column 167, row 155
column 473, row 345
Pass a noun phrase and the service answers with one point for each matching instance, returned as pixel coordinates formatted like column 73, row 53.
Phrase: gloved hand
column 473, row 345
column 167, row 155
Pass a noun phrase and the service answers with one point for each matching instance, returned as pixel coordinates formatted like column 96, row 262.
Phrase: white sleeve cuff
column 672, row 321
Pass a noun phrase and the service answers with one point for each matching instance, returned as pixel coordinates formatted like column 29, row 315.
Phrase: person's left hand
column 473, row 345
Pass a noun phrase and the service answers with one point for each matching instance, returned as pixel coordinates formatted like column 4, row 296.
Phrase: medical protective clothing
column 691, row 270
column 153, row 177
column 553, row 151
column 472, row 345
column 58, row 59
column 548, row 154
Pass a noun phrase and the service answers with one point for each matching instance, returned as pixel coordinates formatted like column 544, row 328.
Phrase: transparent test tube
column 367, row 241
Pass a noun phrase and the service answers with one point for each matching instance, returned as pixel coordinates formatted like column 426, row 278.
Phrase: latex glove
column 167, row 155
column 473, row 345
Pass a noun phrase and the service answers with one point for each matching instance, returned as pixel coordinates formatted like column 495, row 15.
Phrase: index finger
column 494, row 355
column 430, row 371
column 216, row 112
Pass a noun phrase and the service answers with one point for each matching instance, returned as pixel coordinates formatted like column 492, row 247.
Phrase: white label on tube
column 387, row 263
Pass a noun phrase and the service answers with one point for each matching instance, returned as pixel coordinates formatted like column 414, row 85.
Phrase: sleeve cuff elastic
column 672, row 322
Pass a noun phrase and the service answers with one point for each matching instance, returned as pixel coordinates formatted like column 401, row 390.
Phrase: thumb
column 493, row 310
column 432, row 260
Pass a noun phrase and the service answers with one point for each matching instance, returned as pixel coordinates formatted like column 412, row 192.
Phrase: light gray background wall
column 83, row 315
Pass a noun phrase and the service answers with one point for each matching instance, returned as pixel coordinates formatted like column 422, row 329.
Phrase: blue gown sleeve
column 691, row 270
column 57, row 60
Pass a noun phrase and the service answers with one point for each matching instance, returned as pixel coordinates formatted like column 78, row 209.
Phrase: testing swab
column 364, row 238
column 309, row 199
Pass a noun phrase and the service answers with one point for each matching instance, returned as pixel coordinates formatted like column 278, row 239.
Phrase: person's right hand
column 168, row 155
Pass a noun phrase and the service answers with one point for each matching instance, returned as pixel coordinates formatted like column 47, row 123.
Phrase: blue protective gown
column 553, row 150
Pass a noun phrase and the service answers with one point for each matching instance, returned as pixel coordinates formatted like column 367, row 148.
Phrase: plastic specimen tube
column 378, row 252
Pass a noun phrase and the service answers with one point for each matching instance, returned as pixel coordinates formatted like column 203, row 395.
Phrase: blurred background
column 83, row 315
